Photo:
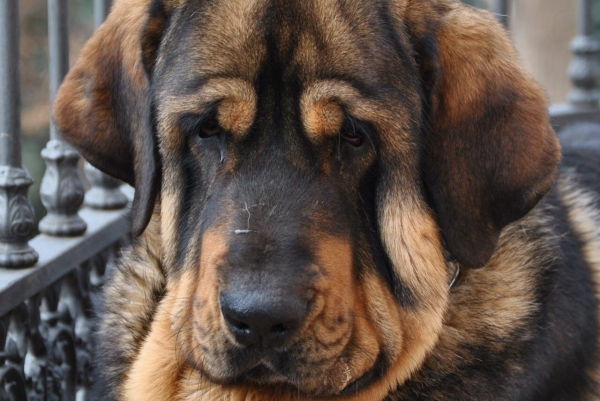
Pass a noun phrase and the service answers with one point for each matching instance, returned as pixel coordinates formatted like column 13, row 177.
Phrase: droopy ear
column 489, row 154
column 103, row 107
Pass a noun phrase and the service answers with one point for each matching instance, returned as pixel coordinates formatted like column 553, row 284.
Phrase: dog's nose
column 263, row 318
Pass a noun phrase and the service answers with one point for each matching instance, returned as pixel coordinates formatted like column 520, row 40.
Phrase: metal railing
column 46, row 309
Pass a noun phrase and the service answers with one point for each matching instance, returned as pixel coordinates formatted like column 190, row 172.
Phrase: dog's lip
column 375, row 373
column 259, row 372
column 259, row 369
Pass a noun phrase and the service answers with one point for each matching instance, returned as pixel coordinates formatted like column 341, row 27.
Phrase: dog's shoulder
column 526, row 325
column 135, row 286
column 575, row 206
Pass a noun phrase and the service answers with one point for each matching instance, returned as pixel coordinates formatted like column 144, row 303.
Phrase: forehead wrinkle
column 338, row 35
column 232, row 37
column 352, row 40
column 210, row 39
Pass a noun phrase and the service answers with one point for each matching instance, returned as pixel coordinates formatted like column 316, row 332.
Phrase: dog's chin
column 284, row 370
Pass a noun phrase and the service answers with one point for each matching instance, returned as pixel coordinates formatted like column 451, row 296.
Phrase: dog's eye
column 209, row 128
column 352, row 137
column 201, row 126
column 351, row 132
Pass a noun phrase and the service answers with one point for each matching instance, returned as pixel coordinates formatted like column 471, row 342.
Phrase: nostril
column 242, row 327
column 235, row 323
column 279, row 329
column 233, row 320
column 242, row 332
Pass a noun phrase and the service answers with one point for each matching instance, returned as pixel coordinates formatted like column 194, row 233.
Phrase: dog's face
column 316, row 163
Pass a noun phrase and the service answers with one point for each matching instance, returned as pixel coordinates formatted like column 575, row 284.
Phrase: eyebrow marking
column 323, row 107
column 234, row 101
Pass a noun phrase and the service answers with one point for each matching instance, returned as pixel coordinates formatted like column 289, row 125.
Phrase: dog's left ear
column 103, row 107
column 490, row 153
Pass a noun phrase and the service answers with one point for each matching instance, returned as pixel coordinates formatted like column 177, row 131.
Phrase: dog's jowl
column 338, row 200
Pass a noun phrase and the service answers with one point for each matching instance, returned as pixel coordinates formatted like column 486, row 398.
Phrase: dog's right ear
column 103, row 107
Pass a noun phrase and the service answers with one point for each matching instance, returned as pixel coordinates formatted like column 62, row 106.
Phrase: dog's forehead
column 323, row 39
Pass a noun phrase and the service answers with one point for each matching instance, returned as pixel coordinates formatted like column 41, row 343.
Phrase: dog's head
column 313, row 163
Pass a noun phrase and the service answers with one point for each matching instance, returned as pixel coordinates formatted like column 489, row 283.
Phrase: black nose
column 263, row 318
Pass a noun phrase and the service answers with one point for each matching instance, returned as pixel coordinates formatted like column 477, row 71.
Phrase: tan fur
column 322, row 118
column 585, row 218
column 155, row 374
column 132, row 291
column 356, row 340
column 418, row 250
column 494, row 300
column 171, row 330
column 176, row 341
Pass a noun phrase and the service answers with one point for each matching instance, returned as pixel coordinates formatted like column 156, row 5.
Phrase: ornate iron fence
column 48, row 281
column 46, row 308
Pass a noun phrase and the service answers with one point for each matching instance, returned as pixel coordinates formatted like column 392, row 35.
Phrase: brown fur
column 457, row 153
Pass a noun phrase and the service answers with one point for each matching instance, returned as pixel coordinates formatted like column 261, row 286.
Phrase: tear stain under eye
column 222, row 148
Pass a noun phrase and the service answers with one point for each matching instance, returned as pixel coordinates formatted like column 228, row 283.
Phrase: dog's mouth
column 311, row 379
column 262, row 374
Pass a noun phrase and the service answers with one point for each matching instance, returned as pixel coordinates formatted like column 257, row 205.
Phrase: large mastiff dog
column 337, row 200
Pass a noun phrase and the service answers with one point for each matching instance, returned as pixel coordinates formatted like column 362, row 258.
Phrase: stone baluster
column 61, row 189
column 17, row 220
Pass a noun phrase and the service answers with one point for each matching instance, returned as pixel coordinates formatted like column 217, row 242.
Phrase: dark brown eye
column 201, row 126
column 209, row 128
column 352, row 138
column 351, row 132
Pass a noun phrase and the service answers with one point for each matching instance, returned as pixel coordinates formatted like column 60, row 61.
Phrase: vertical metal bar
column 101, row 9
column 104, row 192
column 58, row 38
column 585, row 22
column 61, row 189
column 583, row 69
column 9, row 85
column 500, row 8
column 17, row 221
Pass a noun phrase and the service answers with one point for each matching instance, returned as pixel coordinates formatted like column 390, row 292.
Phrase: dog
column 335, row 200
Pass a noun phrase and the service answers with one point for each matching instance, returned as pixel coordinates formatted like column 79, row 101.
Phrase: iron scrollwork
column 45, row 342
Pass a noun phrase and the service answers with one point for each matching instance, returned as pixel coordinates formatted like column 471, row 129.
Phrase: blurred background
column 541, row 30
